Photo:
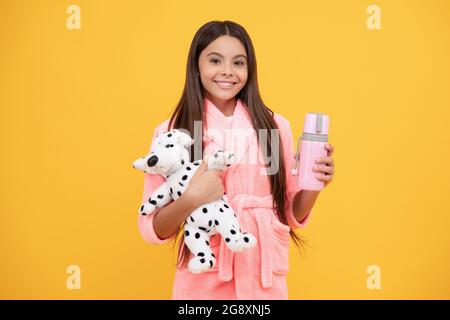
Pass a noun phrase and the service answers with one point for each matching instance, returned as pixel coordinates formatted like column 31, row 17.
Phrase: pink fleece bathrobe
column 259, row 272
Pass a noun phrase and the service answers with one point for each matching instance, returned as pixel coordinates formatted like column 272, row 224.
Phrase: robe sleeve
column 151, row 183
column 291, row 181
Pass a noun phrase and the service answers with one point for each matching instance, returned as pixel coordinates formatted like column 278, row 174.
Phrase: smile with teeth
column 225, row 85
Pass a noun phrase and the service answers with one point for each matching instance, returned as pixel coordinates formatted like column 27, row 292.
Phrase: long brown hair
column 191, row 105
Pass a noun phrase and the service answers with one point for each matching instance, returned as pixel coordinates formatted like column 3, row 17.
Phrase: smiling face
column 223, row 68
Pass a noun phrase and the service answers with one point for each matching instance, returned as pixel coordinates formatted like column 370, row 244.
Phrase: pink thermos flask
column 312, row 145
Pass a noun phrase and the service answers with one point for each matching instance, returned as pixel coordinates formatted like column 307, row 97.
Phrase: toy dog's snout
column 140, row 164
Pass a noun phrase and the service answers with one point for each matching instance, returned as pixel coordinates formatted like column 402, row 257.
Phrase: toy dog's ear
column 183, row 138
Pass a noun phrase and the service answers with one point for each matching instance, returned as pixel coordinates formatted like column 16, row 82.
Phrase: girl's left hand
column 325, row 170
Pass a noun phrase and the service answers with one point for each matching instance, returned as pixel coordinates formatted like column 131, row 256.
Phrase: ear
column 183, row 138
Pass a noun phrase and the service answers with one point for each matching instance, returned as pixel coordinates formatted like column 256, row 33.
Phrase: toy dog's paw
column 201, row 263
column 147, row 208
column 244, row 241
column 235, row 247
column 235, row 244
column 229, row 159
column 221, row 157
column 248, row 240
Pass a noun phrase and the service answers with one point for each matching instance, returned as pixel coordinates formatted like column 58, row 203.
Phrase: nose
column 227, row 70
column 152, row 161
column 227, row 74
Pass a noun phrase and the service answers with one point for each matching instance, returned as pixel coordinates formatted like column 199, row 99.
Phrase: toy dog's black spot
column 197, row 235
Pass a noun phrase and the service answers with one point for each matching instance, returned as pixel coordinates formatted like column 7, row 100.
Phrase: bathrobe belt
column 264, row 226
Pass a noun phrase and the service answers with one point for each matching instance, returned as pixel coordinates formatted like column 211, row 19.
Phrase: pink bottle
column 312, row 146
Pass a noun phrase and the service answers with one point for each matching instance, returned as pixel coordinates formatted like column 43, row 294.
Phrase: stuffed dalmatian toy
column 169, row 157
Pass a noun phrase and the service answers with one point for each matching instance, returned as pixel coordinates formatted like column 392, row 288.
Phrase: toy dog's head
column 167, row 154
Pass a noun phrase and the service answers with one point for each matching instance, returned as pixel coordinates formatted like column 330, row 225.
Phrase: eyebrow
column 239, row 55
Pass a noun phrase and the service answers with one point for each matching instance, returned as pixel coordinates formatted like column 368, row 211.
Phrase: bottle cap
column 316, row 123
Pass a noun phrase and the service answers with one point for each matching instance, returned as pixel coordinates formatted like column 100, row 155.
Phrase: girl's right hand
column 205, row 186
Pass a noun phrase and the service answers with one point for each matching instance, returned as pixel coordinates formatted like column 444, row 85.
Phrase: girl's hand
column 325, row 166
column 205, row 186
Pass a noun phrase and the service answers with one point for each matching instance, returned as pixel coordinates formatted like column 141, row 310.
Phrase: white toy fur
column 169, row 158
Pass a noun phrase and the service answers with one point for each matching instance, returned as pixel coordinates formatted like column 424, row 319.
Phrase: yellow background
column 78, row 106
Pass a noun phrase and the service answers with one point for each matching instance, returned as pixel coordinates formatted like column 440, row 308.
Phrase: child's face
column 223, row 60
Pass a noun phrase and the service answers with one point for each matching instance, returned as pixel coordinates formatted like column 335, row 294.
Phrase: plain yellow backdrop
column 79, row 106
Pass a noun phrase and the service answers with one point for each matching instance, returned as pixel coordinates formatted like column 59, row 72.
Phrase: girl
column 221, row 91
